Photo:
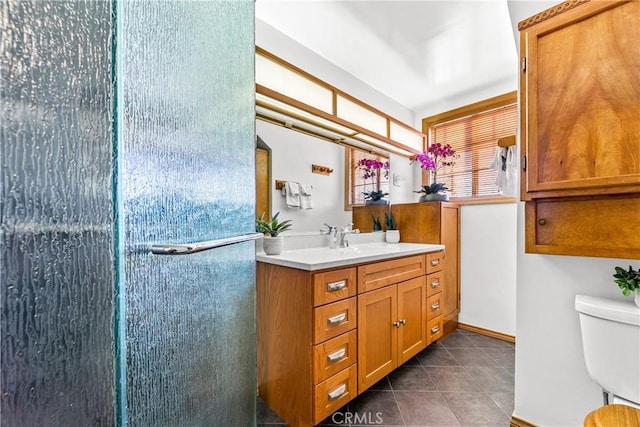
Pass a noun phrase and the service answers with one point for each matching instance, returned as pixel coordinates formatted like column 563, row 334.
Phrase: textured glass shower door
column 185, row 174
column 125, row 125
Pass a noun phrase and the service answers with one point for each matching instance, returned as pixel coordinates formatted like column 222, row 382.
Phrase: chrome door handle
column 335, row 394
column 435, row 329
column 435, row 262
column 191, row 248
column 337, row 319
column 336, row 286
column 335, row 356
column 435, row 283
column 435, row 306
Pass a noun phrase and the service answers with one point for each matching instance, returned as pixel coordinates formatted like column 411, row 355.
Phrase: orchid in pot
column 374, row 169
column 433, row 159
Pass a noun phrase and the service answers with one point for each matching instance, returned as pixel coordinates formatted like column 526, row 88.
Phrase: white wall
column 552, row 386
column 488, row 267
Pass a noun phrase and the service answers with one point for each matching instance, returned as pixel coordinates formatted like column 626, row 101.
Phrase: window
column 473, row 131
column 357, row 183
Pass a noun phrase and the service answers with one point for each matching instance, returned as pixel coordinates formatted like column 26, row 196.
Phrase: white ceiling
column 418, row 53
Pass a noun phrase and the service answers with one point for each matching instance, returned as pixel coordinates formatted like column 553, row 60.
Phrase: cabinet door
column 450, row 270
column 582, row 128
column 377, row 335
column 412, row 312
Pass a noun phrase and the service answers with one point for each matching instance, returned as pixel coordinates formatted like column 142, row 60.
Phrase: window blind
column 474, row 138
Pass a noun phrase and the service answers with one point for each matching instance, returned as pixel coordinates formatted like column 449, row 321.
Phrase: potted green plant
column 434, row 158
column 433, row 192
column 272, row 242
column 377, row 225
column 629, row 282
column 393, row 234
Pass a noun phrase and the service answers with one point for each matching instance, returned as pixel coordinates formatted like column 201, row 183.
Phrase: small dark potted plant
column 375, row 198
column 377, row 225
column 393, row 234
column 433, row 192
column 272, row 242
column 629, row 282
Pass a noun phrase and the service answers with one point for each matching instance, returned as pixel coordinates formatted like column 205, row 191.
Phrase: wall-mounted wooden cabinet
column 580, row 129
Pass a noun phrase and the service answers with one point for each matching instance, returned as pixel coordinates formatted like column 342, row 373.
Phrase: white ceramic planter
column 273, row 245
column 392, row 236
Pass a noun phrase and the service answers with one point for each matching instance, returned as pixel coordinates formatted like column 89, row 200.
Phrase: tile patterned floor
column 466, row 379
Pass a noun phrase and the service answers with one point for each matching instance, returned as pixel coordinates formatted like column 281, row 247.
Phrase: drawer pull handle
column 435, row 262
column 337, row 393
column 435, row 306
column 337, row 355
column 337, row 319
column 435, row 283
column 542, row 221
column 336, row 286
column 435, row 329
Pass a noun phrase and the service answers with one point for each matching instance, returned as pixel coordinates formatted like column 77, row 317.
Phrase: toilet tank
column 611, row 344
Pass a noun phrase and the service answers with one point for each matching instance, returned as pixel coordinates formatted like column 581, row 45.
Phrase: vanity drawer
column 435, row 262
column 376, row 275
column 334, row 393
column 434, row 306
column 434, row 283
column 334, row 319
column 434, row 329
column 333, row 285
column 334, row 355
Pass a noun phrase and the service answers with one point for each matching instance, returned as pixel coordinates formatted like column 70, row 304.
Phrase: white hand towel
column 291, row 191
column 306, row 202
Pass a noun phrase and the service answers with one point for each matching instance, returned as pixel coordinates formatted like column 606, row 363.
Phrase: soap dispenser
column 333, row 237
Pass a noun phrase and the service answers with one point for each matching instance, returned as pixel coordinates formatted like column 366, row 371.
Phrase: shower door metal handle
column 191, row 248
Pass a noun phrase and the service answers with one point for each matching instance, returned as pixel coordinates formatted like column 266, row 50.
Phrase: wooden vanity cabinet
column 434, row 286
column 326, row 336
column 580, row 129
column 439, row 223
column 391, row 316
column 307, row 341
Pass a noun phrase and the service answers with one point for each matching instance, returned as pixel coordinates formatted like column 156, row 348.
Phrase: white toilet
column 611, row 345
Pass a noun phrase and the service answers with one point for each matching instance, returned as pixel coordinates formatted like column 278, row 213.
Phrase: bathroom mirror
column 291, row 156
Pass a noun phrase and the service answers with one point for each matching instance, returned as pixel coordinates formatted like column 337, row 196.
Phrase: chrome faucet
column 337, row 235
column 342, row 233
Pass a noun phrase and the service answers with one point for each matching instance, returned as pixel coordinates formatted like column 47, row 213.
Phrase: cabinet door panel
column 451, row 269
column 589, row 227
column 412, row 299
column 582, row 99
column 377, row 335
